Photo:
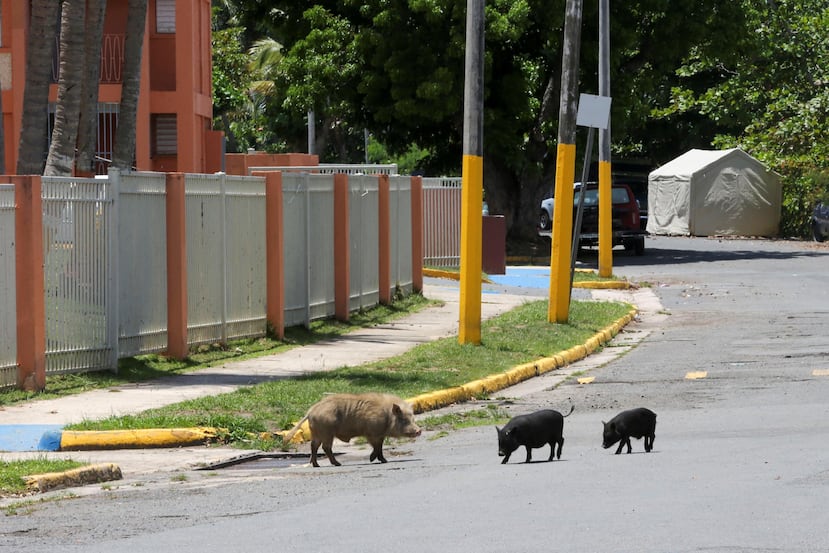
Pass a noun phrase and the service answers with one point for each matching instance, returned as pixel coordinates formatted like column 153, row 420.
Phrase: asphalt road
column 740, row 460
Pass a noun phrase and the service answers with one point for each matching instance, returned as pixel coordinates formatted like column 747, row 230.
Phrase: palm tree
column 34, row 125
column 88, row 122
column 61, row 159
column 123, row 153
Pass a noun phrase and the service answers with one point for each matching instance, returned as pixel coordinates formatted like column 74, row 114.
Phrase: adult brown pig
column 344, row 416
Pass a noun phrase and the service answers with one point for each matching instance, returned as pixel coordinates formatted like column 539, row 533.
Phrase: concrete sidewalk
column 356, row 348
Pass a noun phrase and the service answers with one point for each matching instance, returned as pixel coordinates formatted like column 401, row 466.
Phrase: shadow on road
column 658, row 256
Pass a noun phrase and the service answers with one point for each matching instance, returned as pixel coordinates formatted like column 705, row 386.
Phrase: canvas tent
column 714, row 193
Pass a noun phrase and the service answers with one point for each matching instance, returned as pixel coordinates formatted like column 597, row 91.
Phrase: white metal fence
column 78, row 249
column 332, row 168
column 442, row 221
column 8, row 321
column 105, row 260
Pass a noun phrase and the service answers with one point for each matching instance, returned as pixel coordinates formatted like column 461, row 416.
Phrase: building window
column 165, row 16
column 164, row 128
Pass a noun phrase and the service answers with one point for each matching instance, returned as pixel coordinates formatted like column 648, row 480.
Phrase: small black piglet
column 532, row 431
column 634, row 423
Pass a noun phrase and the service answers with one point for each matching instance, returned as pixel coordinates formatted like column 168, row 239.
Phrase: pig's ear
column 498, row 430
column 395, row 408
column 604, row 423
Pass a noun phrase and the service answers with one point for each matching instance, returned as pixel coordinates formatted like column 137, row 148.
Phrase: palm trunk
column 124, row 150
column 34, row 125
column 61, row 160
column 88, row 123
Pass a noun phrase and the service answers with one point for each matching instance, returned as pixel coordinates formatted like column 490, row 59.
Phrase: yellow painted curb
column 81, row 476
column 438, row 273
column 72, row 440
column 302, row 435
column 495, row 382
column 603, row 285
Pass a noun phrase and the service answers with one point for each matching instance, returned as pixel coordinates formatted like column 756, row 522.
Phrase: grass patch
column 491, row 414
column 150, row 367
column 516, row 337
column 13, row 473
column 593, row 276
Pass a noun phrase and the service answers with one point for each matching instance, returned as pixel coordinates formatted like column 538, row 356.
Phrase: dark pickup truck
column 626, row 226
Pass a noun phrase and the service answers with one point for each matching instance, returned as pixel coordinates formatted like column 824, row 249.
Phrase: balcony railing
column 112, row 59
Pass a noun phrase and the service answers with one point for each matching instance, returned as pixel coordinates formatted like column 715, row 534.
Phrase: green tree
column 770, row 93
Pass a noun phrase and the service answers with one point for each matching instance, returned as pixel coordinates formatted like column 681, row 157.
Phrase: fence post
column 30, row 293
column 342, row 249
column 417, row 234
column 274, row 253
column 176, row 268
column 384, row 238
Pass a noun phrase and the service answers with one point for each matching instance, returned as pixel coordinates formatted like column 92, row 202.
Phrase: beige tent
column 714, row 193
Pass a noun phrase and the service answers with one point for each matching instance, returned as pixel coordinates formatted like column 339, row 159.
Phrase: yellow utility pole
column 605, row 179
column 469, row 331
column 559, row 306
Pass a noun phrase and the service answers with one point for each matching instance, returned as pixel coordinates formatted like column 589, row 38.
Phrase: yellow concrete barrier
column 72, row 440
column 81, row 476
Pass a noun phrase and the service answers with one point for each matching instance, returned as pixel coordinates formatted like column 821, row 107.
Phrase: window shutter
column 165, row 134
column 165, row 16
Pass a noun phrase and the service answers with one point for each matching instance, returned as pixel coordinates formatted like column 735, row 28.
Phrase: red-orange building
column 173, row 127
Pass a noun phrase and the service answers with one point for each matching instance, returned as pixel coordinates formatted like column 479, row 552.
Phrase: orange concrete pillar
column 342, row 249
column 274, row 253
column 176, row 268
column 30, row 297
column 384, row 238
column 417, row 234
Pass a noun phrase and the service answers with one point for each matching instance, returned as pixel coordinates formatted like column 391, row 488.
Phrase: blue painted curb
column 29, row 437
column 50, row 441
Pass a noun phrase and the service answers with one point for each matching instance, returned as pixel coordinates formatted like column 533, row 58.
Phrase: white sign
column 594, row 111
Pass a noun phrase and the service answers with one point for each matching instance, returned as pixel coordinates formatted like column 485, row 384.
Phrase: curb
column 92, row 474
column 72, row 440
column 86, row 440
column 520, row 373
column 499, row 381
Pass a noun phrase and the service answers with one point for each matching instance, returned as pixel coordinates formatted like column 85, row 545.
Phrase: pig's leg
column 315, row 444
column 560, row 446
column 529, row 454
column 649, row 442
column 621, row 445
column 326, row 447
column 627, row 441
column 506, row 458
column 377, row 451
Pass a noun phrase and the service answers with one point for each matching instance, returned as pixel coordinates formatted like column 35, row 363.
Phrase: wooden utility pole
column 605, row 179
column 559, row 305
column 472, row 177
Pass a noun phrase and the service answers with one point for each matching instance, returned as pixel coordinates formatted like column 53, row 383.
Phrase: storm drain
column 260, row 460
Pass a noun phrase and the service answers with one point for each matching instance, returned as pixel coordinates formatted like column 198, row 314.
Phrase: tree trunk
column 34, row 124
column 61, row 159
column 88, row 122
column 517, row 194
column 123, row 155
